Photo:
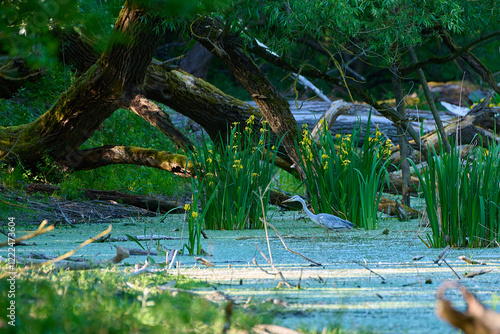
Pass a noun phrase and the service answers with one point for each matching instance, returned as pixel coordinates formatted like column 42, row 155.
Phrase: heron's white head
column 295, row 198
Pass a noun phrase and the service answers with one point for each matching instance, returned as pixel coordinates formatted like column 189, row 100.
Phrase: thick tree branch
column 430, row 101
column 112, row 155
column 273, row 106
column 152, row 113
column 79, row 111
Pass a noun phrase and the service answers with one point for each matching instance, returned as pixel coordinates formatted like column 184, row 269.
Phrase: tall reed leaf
column 343, row 179
column 462, row 196
column 232, row 174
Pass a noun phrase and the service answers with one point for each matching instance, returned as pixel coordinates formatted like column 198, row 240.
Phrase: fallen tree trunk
column 140, row 201
column 478, row 127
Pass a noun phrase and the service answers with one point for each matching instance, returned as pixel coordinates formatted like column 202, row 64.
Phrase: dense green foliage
column 342, row 179
column 28, row 25
column 108, row 301
column 380, row 28
column 462, row 197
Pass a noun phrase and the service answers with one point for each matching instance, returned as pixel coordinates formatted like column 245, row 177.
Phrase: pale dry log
column 475, row 320
column 326, row 121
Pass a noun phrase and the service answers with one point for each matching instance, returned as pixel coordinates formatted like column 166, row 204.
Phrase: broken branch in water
column 138, row 237
column 451, row 268
column 476, row 273
column 290, row 250
column 276, row 271
column 41, row 230
column 441, row 255
column 469, row 261
column 362, row 265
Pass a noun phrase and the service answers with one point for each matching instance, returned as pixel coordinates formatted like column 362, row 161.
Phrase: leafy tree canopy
column 25, row 25
column 378, row 28
column 381, row 28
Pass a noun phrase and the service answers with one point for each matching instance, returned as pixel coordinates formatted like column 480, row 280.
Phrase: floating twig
column 364, row 266
column 441, row 255
column 203, row 261
column 451, row 268
column 139, row 251
column 476, row 273
column 469, row 261
column 41, row 230
column 276, row 271
column 139, row 238
column 291, row 250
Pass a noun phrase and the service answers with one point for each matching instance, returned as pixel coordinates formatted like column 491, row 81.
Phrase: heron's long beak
column 288, row 200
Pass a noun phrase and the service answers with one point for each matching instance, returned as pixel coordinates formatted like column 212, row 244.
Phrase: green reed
column 343, row 179
column 462, row 196
column 232, row 174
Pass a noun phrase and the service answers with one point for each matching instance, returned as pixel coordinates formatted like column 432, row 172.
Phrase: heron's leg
column 337, row 233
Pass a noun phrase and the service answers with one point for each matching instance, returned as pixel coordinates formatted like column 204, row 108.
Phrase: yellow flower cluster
column 306, row 143
column 324, row 160
column 345, row 149
column 386, row 152
column 383, row 147
column 237, row 165
column 490, row 105
column 249, row 126
column 187, row 208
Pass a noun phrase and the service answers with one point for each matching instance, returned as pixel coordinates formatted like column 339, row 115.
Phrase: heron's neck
column 309, row 213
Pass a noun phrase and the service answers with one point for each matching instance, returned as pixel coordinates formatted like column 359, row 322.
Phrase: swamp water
column 340, row 292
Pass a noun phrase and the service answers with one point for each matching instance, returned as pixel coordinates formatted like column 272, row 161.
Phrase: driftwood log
column 475, row 320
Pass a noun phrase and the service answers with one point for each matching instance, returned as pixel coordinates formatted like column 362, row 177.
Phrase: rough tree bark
column 113, row 82
column 228, row 48
column 403, row 144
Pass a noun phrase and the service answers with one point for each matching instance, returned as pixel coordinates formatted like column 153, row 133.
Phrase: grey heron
column 325, row 220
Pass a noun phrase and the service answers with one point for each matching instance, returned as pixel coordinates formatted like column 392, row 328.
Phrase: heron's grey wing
column 333, row 222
